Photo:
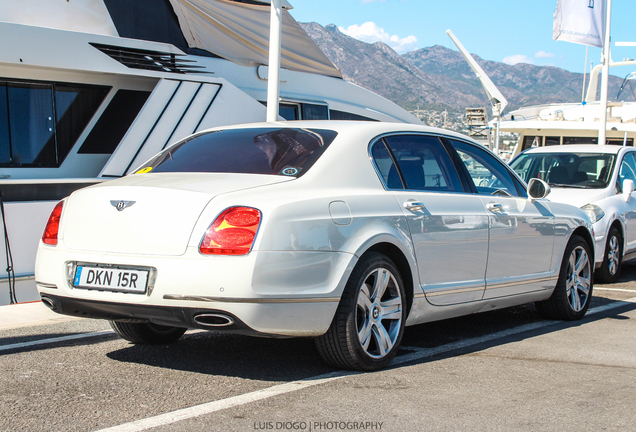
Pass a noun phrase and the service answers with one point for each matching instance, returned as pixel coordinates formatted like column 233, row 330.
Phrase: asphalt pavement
column 504, row 370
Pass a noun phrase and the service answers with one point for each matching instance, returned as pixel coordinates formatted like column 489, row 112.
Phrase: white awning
column 240, row 32
column 86, row 16
column 233, row 30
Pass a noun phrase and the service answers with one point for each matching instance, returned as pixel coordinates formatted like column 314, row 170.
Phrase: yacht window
column 343, row 115
column 552, row 141
column 579, row 140
column 288, row 111
column 302, row 111
column 315, row 112
column 630, row 142
column 114, row 122
column 594, row 140
column 530, row 141
column 5, row 148
column 40, row 122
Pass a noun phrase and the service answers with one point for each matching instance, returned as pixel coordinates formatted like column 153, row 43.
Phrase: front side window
column 574, row 170
column 422, row 164
column 628, row 169
column 274, row 151
column 490, row 176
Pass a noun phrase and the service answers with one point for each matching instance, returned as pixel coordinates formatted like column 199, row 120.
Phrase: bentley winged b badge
column 121, row 205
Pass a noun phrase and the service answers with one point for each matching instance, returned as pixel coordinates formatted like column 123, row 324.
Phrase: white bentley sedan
column 342, row 231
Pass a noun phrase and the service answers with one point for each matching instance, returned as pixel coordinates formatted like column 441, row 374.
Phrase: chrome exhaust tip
column 48, row 303
column 213, row 320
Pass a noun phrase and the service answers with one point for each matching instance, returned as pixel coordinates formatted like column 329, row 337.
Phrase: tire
column 573, row 292
column 369, row 323
column 147, row 333
column 610, row 270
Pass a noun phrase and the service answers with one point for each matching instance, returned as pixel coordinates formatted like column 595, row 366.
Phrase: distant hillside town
column 436, row 84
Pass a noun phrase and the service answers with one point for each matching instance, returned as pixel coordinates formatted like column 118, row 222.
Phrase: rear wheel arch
column 396, row 255
column 368, row 326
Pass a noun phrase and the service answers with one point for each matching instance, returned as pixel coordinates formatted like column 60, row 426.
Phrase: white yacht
column 576, row 123
column 91, row 89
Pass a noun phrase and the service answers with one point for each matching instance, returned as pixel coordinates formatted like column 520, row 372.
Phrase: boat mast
column 602, row 131
column 273, row 73
column 587, row 47
column 496, row 99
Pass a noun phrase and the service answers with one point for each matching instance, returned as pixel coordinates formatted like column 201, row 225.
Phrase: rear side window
column 274, row 151
column 422, row 164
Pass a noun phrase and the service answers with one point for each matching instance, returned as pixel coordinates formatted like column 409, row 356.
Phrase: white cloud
column 543, row 54
column 517, row 58
column 370, row 32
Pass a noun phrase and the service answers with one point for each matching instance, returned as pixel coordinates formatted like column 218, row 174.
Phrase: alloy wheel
column 379, row 313
column 613, row 255
column 579, row 279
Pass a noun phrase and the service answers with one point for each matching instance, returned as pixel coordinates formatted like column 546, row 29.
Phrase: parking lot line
column 420, row 353
column 614, row 289
column 54, row 340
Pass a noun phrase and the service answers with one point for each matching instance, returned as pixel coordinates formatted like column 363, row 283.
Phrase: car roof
column 349, row 126
column 577, row 148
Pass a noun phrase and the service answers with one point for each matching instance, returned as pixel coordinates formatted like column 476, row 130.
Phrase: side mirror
column 628, row 188
column 538, row 189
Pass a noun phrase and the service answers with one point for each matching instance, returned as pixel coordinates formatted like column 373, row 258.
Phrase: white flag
column 580, row 21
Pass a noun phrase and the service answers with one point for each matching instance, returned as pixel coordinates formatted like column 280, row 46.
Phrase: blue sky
column 501, row 30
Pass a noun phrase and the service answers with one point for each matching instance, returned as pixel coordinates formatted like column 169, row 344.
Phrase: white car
column 342, row 231
column 600, row 180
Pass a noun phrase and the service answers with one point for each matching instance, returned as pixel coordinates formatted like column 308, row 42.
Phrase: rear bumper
column 266, row 293
column 163, row 315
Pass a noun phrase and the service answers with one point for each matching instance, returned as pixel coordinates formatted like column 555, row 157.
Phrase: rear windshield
column 574, row 170
column 275, row 151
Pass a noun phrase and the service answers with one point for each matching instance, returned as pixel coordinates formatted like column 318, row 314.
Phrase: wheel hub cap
column 376, row 312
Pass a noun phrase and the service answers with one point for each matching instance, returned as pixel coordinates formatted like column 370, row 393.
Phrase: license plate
column 112, row 279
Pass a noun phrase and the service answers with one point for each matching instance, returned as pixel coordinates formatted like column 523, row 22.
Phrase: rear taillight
column 53, row 225
column 232, row 233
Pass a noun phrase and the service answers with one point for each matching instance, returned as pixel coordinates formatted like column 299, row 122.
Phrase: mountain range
column 438, row 78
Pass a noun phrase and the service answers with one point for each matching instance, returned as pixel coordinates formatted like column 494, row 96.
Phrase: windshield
column 274, row 151
column 574, row 170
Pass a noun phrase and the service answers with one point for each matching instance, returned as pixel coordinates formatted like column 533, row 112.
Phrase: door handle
column 413, row 206
column 494, row 207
